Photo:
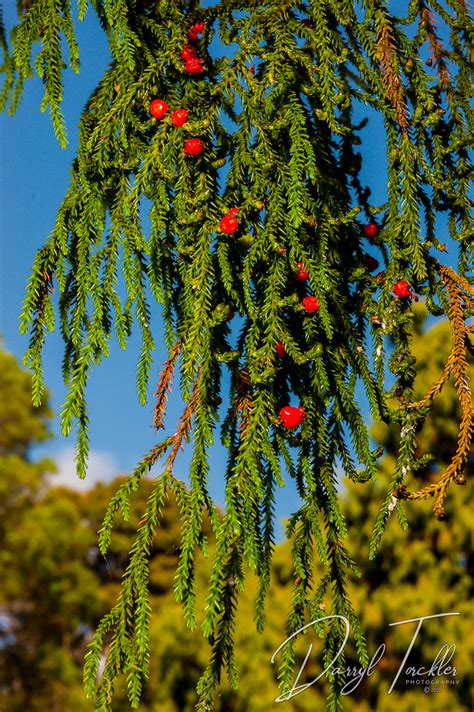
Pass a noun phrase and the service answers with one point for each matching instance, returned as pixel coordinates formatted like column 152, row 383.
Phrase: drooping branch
column 245, row 164
column 390, row 73
column 460, row 298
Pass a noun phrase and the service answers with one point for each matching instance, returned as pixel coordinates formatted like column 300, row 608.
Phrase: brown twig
column 157, row 451
column 164, row 386
column 391, row 78
column 182, row 433
column 437, row 51
column 459, row 291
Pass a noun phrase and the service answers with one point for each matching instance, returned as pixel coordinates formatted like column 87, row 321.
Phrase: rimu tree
column 247, row 168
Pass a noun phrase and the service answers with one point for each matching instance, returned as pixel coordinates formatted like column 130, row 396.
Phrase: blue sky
column 32, row 183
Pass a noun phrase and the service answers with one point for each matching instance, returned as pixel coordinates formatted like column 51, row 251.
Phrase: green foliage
column 277, row 120
column 44, row 22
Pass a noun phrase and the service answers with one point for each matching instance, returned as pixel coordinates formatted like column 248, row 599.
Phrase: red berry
column 310, row 305
column 179, row 117
column 188, row 52
column 194, row 147
column 402, row 289
column 230, row 315
column 198, row 27
column 370, row 262
column 158, row 108
column 371, row 230
column 229, row 225
column 233, row 212
column 301, row 274
column 192, row 36
column 194, row 66
column 280, row 349
column 291, row 417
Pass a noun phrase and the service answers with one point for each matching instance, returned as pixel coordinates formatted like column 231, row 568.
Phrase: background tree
column 55, row 584
column 259, row 146
column 47, row 590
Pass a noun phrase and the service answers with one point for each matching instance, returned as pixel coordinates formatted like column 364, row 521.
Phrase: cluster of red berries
column 292, row 416
column 401, row 288
column 159, row 109
column 301, row 275
column 371, row 230
column 193, row 62
column 310, row 304
column 229, row 223
column 196, row 30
